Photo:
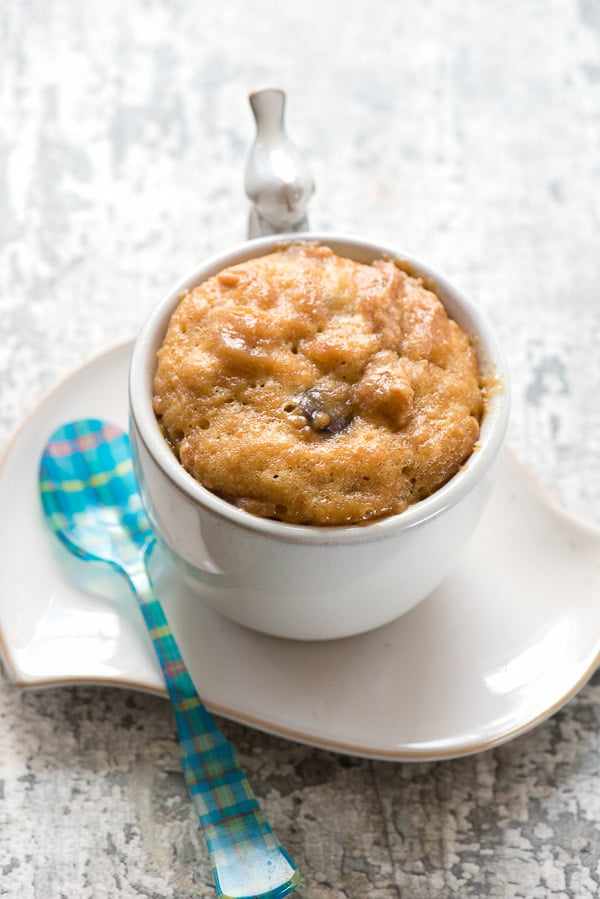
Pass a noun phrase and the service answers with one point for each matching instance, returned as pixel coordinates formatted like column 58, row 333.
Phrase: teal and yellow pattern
column 92, row 503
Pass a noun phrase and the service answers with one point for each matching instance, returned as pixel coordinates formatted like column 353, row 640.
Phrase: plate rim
column 278, row 730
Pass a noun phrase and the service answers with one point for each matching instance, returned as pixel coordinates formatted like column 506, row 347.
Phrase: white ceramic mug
column 298, row 581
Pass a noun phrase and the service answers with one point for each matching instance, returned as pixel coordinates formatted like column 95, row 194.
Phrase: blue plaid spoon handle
column 92, row 504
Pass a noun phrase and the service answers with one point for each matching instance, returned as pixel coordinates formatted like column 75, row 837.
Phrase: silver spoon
column 278, row 181
column 92, row 504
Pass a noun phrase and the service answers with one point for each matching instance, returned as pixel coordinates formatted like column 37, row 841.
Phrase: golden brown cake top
column 307, row 387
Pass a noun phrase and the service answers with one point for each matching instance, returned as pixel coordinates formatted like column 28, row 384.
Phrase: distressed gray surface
column 467, row 133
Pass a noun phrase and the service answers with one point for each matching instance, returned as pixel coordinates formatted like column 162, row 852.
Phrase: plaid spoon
column 92, row 504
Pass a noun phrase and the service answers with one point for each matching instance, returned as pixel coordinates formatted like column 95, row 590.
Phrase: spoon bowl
column 92, row 504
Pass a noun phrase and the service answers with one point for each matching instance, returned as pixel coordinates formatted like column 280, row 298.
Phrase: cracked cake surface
column 310, row 388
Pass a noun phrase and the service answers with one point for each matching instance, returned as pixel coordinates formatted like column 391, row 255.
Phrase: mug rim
column 467, row 314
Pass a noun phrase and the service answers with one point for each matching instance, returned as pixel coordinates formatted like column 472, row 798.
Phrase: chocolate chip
column 325, row 413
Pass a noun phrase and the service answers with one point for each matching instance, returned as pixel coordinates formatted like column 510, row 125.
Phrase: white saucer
column 510, row 636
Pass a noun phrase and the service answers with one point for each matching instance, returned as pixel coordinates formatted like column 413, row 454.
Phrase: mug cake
column 306, row 387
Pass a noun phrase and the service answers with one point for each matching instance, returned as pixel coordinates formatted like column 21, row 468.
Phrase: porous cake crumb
column 306, row 387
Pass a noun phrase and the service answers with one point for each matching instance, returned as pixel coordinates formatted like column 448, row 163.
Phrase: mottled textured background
column 464, row 132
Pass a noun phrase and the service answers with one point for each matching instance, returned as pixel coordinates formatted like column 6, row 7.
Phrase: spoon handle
column 247, row 858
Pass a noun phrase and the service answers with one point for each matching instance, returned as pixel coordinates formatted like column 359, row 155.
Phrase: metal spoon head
column 89, row 493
